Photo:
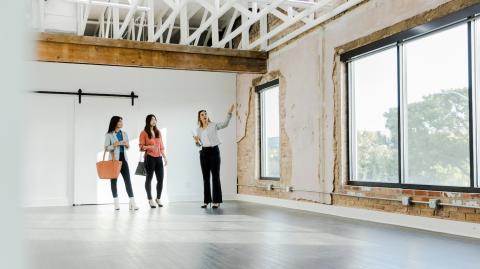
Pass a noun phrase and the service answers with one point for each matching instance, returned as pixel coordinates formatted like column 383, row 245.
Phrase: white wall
column 173, row 96
column 14, row 49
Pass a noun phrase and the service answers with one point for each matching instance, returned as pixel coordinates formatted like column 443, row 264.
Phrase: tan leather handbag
column 109, row 169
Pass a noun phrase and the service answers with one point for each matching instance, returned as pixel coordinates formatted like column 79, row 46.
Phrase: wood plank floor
column 239, row 235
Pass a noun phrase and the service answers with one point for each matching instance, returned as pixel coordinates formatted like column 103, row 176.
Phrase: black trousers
column 210, row 163
column 125, row 172
column 154, row 165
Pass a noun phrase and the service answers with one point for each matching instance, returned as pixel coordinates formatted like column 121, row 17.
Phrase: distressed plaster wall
column 313, row 112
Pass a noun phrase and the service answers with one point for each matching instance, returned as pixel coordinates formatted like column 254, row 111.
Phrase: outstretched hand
column 232, row 108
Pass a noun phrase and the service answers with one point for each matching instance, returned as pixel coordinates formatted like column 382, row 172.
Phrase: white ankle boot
column 152, row 203
column 132, row 205
column 158, row 203
column 116, row 203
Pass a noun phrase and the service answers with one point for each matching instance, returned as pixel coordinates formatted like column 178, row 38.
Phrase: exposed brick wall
column 248, row 147
column 445, row 212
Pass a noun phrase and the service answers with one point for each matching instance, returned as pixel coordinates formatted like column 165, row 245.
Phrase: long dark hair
column 198, row 118
column 147, row 127
column 113, row 123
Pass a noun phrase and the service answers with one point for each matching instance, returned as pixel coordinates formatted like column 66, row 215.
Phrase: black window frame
column 466, row 15
column 258, row 90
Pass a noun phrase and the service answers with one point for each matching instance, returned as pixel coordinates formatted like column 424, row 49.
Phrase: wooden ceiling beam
column 100, row 51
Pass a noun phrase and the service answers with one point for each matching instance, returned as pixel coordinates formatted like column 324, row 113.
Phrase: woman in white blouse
column 207, row 139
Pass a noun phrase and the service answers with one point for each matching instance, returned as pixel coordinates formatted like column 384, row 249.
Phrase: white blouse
column 204, row 138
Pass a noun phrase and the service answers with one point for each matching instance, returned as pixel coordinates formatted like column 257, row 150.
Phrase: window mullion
column 402, row 114
column 262, row 135
column 473, row 47
column 353, row 131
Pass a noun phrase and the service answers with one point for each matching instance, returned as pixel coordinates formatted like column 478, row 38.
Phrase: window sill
column 414, row 187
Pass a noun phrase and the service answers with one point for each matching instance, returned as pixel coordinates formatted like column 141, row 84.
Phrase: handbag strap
column 111, row 153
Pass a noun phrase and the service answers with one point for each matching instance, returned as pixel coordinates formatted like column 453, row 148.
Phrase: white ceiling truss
column 213, row 23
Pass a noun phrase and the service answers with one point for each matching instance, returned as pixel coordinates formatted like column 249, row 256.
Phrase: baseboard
column 423, row 223
column 59, row 201
column 172, row 198
column 197, row 198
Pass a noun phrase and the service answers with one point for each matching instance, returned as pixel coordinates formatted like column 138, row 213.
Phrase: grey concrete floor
column 239, row 235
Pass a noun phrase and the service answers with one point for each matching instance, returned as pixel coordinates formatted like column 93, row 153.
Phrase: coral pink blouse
column 157, row 141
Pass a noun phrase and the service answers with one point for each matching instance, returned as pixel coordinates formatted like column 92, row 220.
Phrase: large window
column 269, row 130
column 413, row 108
column 374, row 79
column 437, row 112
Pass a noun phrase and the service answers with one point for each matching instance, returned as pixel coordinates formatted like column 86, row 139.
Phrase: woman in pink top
column 151, row 143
